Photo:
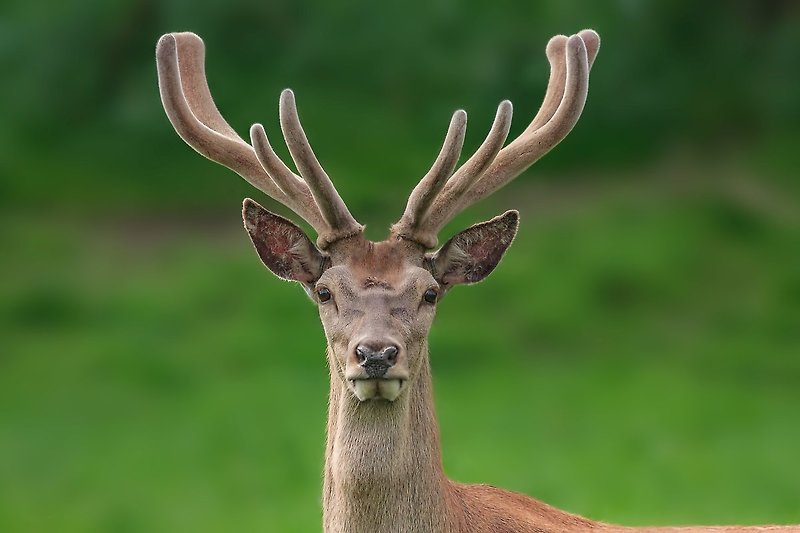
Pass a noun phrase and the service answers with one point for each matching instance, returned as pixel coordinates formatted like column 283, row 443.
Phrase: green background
column 635, row 358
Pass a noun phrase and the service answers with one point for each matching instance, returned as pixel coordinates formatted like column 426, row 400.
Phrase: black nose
column 376, row 361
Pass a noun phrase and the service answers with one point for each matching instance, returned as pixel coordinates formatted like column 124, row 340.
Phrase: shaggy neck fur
column 383, row 467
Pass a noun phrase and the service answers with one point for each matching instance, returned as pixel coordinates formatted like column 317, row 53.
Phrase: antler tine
column 289, row 182
column 292, row 184
column 333, row 208
column 592, row 41
column 555, row 52
column 431, row 184
column 192, row 112
column 185, row 53
column 447, row 201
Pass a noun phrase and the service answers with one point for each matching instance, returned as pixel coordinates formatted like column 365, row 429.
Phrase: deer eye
column 324, row 294
column 430, row 296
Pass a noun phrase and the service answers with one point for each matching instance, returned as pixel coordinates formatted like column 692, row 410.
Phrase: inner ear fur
column 474, row 253
column 283, row 247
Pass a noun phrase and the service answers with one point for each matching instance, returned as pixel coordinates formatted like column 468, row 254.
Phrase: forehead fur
column 384, row 265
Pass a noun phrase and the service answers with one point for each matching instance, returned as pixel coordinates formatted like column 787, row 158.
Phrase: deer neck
column 383, row 467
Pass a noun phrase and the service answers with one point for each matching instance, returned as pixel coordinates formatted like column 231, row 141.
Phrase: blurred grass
column 641, row 367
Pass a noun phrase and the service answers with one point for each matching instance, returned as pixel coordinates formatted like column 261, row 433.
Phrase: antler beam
column 492, row 167
column 192, row 112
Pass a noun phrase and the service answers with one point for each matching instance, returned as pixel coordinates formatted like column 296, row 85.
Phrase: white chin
column 390, row 388
column 365, row 389
column 374, row 389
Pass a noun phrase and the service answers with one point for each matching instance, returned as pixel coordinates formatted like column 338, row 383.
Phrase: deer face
column 377, row 300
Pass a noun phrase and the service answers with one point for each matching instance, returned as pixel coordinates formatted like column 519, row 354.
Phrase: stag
column 377, row 300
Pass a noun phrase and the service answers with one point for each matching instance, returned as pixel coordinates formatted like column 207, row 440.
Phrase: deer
column 377, row 300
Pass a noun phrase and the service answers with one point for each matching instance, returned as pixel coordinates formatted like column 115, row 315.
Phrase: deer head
column 376, row 299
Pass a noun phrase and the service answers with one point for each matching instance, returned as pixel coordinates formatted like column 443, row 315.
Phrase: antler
column 189, row 106
column 436, row 200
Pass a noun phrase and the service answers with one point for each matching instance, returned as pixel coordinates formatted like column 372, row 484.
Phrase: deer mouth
column 377, row 389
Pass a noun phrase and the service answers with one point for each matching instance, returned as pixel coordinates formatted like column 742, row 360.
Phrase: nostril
column 362, row 352
column 390, row 353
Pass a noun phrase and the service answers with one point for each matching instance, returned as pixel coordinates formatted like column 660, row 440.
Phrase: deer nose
column 376, row 360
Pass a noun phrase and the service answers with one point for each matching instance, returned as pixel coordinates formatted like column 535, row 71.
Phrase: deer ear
column 282, row 246
column 471, row 255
